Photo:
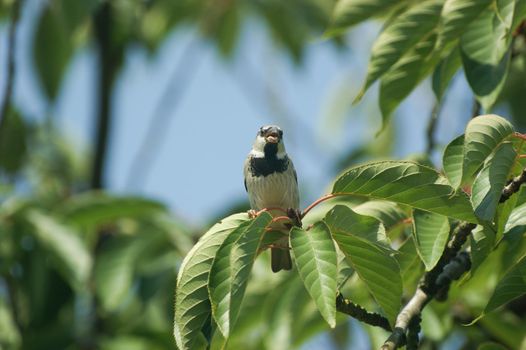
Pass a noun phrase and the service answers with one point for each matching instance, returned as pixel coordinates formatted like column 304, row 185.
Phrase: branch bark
column 450, row 267
column 348, row 307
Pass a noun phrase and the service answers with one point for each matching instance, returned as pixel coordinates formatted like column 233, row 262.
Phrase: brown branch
column 436, row 282
column 11, row 66
column 356, row 311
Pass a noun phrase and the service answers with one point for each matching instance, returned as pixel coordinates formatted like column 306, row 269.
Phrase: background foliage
column 83, row 268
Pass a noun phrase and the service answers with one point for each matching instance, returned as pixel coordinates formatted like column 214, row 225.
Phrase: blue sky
column 197, row 168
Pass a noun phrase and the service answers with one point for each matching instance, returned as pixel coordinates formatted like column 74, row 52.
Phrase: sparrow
column 271, row 182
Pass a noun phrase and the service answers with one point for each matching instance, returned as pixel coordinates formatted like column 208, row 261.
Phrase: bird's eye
column 280, row 133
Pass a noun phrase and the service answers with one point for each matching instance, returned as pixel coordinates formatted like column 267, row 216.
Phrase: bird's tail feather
column 280, row 259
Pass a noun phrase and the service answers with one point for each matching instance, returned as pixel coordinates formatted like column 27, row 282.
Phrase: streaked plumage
column 270, row 180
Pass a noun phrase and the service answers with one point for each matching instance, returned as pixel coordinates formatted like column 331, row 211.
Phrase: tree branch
column 11, row 66
column 513, row 186
column 435, row 283
column 110, row 56
column 431, row 126
column 348, row 307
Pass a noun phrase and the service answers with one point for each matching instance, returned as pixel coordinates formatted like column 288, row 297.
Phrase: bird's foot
column 295, row 216
column 252, row 214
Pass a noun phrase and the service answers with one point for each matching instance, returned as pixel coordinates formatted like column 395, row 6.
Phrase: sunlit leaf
column 405, row 183
column 445, row 71
column 400, row 37
column 343, row 219
column 192, row 305
column 456, row 15
column 488, row 185
column 230, row 270
column 377, row 268
column 452, row 161
column 64, row 245
column 389, row 213
column 316, row 260
column 348, row 13
column 401, row 79
column 485, row 48
column 483, row 135
column 431, row 232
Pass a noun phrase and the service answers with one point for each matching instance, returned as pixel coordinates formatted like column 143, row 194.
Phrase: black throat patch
column 269, row 164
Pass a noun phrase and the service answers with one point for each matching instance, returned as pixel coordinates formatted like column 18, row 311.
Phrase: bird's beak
column 272, row 137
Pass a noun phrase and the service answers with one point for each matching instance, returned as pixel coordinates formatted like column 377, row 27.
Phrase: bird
column 271, row 182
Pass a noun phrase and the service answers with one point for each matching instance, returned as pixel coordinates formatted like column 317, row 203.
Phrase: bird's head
column 269, row 142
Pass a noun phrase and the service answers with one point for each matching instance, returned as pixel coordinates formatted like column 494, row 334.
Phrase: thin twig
column 11, row 65
column 431, row 126
column 475, row 111
column 320, row 200
column 348, row 307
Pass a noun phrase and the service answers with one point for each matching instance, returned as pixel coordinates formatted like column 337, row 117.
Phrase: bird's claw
column 252, row 214
column 295, row 216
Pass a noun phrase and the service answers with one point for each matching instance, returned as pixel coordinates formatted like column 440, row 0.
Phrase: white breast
column 274, row 190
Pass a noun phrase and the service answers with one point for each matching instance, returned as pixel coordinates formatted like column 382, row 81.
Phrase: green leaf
column 316, row 260
column 397, row 83
column 230, row 270
column 444, row 72
column 456, row 15
column 405, row 183
column 482, row 242
column 192, row 305
column 348, row 13
column 114, row 269
column 343, row 219
column 377, row 268
column 485, row 48
column 430, row 234
column 52, row 48
column 64, row 245
column 452, row 161
column 389, row 213
column 519, row 14
column 9, row 333
column 488, row 185
column 345, row 270
column 399, row 38
column 411, row 265
column 95, row 208
column 511, row 286
column 13, row 142
column 517, row 218
column 483, row 135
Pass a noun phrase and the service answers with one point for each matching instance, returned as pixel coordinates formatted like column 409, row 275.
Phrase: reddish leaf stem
column 271, row 208
column 519, row 135
column 320, row 200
